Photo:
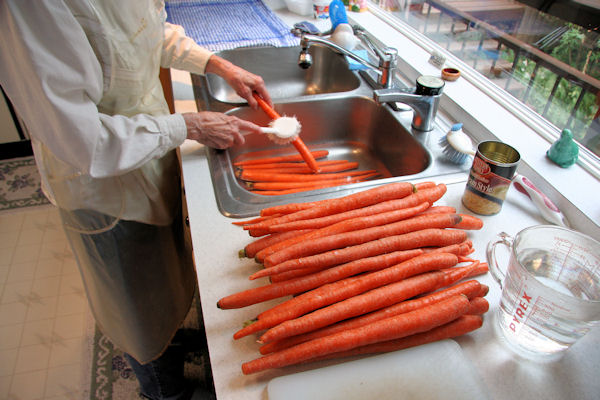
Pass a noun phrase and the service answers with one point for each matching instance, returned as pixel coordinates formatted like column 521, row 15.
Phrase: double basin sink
column 336, row 109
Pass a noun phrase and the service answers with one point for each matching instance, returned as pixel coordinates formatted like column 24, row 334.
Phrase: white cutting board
column 437, row 370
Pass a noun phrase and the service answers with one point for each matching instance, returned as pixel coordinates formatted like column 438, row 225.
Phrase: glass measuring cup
column 550, row 290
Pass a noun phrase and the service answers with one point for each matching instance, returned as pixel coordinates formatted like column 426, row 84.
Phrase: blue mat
column 227, row 24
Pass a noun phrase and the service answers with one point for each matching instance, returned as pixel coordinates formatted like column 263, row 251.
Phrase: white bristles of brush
column 283, row 130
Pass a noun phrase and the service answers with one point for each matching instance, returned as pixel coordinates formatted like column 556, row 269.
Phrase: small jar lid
column 450, row 74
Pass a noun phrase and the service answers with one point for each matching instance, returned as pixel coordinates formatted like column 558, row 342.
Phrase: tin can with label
column 494, row 167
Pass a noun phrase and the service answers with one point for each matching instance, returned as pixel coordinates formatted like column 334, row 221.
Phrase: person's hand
column 218, row 130
column 242, row 81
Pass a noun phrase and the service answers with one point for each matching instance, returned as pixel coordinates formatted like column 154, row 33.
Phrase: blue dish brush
column 457, row 146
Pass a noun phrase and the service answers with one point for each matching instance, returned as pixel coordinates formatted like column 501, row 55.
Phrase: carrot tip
column 250, row 322
column 242, row 253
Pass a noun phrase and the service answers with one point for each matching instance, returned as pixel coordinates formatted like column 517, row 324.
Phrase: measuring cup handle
column 506, row 240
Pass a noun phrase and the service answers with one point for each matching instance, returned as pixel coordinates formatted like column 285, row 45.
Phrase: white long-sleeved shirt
column 84, row 78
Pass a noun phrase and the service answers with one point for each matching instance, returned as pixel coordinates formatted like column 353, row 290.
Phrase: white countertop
column 216, row 243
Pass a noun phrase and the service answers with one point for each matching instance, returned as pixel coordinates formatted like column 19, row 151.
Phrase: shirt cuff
column 173, row 130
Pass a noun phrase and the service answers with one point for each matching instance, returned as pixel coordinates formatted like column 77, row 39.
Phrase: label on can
column 486, row 189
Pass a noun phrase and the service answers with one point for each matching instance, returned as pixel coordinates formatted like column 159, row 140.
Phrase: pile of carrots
column 290, row 174
column 375, row 271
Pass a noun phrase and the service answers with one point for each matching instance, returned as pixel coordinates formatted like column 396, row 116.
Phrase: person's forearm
column 182, row 52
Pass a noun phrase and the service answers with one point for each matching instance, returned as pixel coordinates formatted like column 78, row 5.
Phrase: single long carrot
column 471, row 289
column 345, row 226
column 306, row 154
column 336, row 167
column 310, row 181
column 257, row 245
column 320, row 222
column 266, row 176
column 374, row 299
column 407, row 241
column 352, row 201
column 462, row 325
column 351, row 238
column 345, row 288
column 252, row 221
column 458, row 249
column 303, row 284
column 429, row 195
column 287, row 158
column 439, row 210
column 434, row 195
column 302, row 187
column 290, row 164
column 403, row 325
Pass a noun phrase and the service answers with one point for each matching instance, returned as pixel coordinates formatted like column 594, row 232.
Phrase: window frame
column 488, row 111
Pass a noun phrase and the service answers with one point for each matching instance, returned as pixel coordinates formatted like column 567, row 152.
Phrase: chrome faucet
column 384, row 69
column 423, row 99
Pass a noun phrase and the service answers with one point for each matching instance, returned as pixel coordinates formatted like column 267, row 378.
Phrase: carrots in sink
column 378, row 270
column 283, row 175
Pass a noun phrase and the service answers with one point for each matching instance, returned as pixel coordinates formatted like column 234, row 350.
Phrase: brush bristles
column 451, row 154
column 279, row 140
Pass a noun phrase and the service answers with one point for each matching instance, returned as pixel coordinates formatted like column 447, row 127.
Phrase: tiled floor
column 43, row 309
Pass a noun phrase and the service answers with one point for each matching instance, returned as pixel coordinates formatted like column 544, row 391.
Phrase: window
column 544, row 53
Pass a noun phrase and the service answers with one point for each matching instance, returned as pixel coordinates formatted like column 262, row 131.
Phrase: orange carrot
column 291, row 207
column 293, row 157
column 478, row 306
column 267, row 176
column 253, row 220
column 460, row 326
column 353, row 201
column 470, row 222
column 251, row 249
column 297, row 187
column 403, row 325
column 337, row 167
column 297, row 142
column 425, row 185
column 306, row 154
column 458, row 249
column 374, row 299
column 411, row 200
column 294, row 207
column 309, row 181
column 440, row 209
column 283, row 165
column 303, row 284
column 319, row 245
column 345, row 288
column 471, row 289
column 345, row 226
column 320, row 222
column 407, row 241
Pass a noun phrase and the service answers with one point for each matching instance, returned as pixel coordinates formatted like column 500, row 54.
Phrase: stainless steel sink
column 278, row 66
column 354, row 128
column 336, row 109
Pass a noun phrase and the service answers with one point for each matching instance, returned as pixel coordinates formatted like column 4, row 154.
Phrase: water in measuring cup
column 536, row 321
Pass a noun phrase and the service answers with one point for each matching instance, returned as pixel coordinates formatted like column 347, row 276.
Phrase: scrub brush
column 307, row 156
column 457, row 146
column 282, row 130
